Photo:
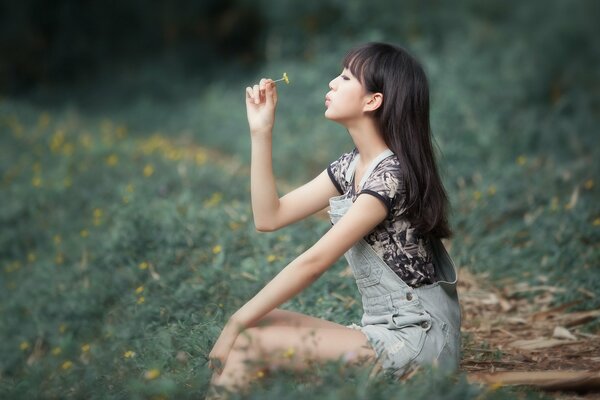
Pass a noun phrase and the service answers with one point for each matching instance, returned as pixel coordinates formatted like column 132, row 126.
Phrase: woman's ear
column 373, row 102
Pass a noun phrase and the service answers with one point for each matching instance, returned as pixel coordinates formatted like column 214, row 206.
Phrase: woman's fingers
column 264, row 91
column 215, row 364
column 274, row 92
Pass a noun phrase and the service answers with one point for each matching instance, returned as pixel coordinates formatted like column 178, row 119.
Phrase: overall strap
column 352, row 167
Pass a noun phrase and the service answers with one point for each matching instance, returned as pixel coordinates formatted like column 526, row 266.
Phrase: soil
column 516, row 328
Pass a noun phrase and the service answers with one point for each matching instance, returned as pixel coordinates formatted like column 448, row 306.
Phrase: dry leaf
column 540, row 343
column 561, row 332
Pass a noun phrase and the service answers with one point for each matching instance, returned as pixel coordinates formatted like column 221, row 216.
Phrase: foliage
column 126, row 233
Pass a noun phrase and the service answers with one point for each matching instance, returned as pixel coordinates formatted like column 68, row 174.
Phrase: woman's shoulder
column 340, row 165
column 386, row 178
column 389, row 166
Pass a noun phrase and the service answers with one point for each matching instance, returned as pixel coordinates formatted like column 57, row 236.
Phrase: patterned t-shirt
column 394, row 240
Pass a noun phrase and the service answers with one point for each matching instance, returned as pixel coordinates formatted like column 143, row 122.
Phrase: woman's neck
column 367, row 139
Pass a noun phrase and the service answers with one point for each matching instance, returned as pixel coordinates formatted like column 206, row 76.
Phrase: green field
column 126, row 231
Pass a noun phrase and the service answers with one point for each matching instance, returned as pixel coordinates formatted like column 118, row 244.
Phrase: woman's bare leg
column 292, row 347
column 279, row 317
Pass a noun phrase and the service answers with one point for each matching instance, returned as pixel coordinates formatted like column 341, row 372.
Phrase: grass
column 127, row 236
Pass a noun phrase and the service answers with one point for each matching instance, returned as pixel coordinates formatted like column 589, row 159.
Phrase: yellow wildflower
column 173, row 154
column 112, row 160
column 289, row 353
column 213, row 200
column 98, row 216
column 36, row 181
column 24, row 345
column 139, row 289
column 56, row 351
column 143, row 265
column 13, row 266
column 59, row 259
column 67, row 182
column 284, row 78
column 85, row 348
column 57, row 140
column 129, row 354
column 141, row 300
column 152, row 374
column 148, row 170
column 271, row 258
column 84, row 233
column 66, row 365
column 260, row 374
column 492, row 190
column 217, row 249
column 589, row 184
column 130, row 188
column 596, row 222
column 234, row 226
column 31, row 257
column 477, row 195
column 67, row 149
column 200, row 157
column 86, row 140
column 521, row 160
column 62, row 328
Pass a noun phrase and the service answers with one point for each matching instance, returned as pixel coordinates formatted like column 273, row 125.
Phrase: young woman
column 389, row 210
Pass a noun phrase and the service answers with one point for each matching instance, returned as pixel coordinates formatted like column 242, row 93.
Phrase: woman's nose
column 331, row 84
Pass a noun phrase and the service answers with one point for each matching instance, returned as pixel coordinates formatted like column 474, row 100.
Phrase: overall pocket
column 365, row 269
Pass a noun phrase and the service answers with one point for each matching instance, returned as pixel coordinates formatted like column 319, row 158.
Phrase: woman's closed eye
column 344, row 77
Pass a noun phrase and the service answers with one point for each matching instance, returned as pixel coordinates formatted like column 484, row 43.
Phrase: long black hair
column 403, row 119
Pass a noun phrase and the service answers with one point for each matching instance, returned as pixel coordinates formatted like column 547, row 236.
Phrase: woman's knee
column 247, row 344
column 273, row 317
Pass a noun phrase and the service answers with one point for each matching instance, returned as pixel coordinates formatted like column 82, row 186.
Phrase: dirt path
column 506, row 332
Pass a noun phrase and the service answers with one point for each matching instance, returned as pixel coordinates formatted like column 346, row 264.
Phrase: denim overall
column 406, row 326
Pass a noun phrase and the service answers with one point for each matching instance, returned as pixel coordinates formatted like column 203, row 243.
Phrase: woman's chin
column 329, row 115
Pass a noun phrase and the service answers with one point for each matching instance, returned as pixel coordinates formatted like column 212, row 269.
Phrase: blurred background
column 126, row 235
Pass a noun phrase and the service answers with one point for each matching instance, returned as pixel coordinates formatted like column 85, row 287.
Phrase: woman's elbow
column 262, row 229
column 261, row 226
column 314, row 265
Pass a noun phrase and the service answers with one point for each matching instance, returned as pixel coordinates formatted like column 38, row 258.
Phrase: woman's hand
column 220, row 351
column 261, row 101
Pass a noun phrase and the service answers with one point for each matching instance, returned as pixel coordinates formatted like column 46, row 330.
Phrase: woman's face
column 346, row 98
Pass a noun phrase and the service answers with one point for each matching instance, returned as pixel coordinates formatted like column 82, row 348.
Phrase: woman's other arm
column 364, row 215
column 271, row 212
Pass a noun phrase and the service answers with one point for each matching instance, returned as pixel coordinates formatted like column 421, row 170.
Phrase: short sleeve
column 385, row 183
column 337, row 170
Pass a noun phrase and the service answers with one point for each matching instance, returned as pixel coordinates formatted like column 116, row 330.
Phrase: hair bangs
column 356, row 61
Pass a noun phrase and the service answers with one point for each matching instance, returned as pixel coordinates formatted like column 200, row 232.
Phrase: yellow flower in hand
column 284, row 78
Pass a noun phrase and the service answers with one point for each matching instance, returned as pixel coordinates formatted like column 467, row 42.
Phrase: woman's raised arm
column 270, row 212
